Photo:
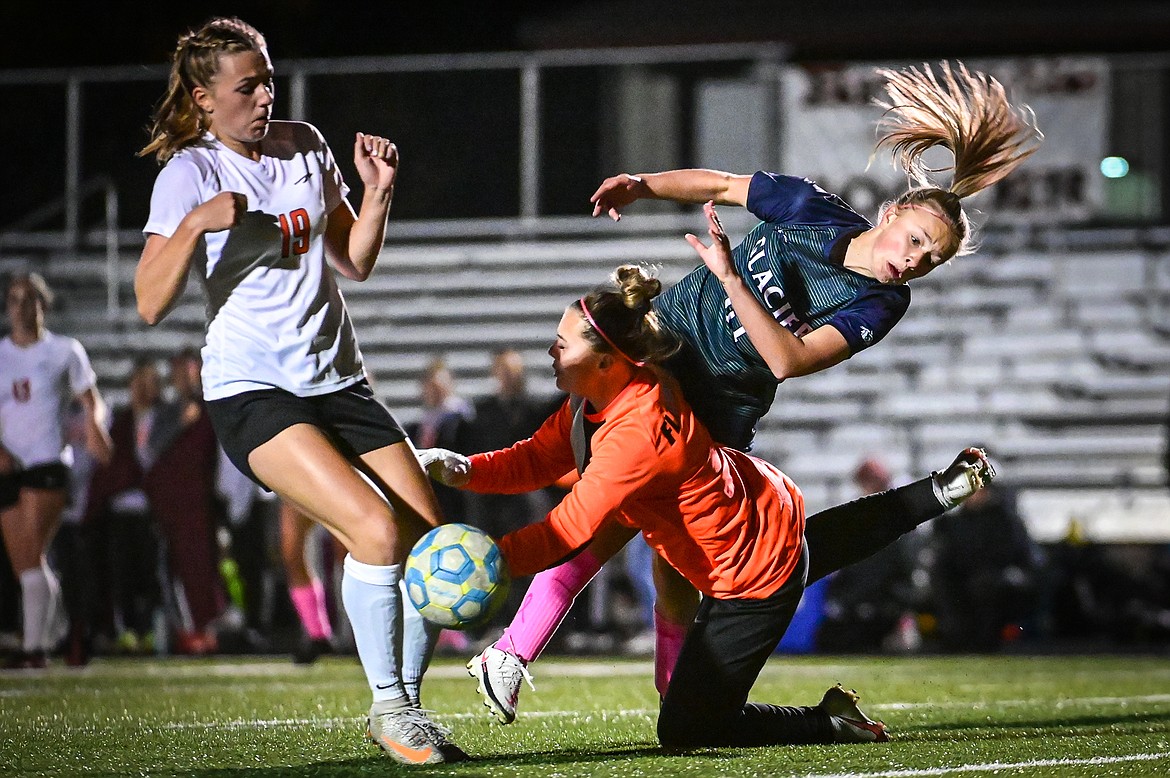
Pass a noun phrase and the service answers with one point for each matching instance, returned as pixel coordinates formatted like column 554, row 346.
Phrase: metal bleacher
column 1058, row 362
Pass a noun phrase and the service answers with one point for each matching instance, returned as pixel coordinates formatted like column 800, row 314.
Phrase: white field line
column 997, row 767
column 338, row 721
column 197, row 670
column 330, row 723
column 1058, row 703
column 201, row 671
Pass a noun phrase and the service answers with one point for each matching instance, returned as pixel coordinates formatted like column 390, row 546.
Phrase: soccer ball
column 456, row 577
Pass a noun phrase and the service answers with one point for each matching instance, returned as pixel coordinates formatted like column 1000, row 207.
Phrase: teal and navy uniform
column 793, row 261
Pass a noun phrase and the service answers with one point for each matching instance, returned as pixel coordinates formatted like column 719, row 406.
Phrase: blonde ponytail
column 966, row 112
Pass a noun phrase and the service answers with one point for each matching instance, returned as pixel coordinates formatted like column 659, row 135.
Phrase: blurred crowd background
column 168, row 549
column 1051, row 347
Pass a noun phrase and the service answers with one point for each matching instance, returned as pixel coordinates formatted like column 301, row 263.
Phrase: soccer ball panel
column 452, row 563
column 456, row 577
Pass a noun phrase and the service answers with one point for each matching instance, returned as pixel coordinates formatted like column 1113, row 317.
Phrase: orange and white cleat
column 409, row 737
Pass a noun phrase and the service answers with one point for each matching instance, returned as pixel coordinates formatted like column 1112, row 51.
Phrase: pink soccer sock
column 545, row 604
column 310, row 604
column 669, row 637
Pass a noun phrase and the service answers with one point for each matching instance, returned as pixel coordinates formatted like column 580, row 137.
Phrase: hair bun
column 637, row 287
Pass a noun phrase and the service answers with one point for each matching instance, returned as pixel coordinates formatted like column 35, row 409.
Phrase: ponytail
column 966, row 112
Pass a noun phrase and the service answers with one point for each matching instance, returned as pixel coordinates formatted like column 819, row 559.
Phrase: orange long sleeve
column 731, row 523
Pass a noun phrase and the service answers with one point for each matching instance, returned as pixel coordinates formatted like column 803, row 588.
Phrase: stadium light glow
column 1114, row 167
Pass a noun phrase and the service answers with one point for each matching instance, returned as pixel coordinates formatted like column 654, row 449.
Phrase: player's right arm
column 785, row 354
column 623, row 464
column 693, row 185
column 162, row 270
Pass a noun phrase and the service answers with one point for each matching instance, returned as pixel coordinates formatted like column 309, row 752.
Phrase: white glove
column 446, row 467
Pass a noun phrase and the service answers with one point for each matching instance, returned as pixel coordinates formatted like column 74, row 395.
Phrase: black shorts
column 352, row 418
column 53, row 475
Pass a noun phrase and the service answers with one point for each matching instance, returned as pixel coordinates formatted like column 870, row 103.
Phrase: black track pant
column 725, row 649
column 731, row 640
column 838, row 537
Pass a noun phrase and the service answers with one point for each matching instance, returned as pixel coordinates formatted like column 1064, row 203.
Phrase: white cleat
column 499, row 675
column 404, row 734
column 970, row 472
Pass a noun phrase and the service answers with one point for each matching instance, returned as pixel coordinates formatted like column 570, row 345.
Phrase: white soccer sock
column 419, row 637
column 374, row 606
column 40, row 599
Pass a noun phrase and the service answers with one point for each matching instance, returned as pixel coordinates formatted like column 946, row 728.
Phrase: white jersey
column 37, row 385
column 275, row 315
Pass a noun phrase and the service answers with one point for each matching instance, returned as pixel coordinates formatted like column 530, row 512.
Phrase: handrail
column 45, row 212
column 406, row 63
column 73, row 238
column 529, row 64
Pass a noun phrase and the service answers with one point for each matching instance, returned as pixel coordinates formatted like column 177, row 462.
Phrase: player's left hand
column 376, row 159
column 717, row 256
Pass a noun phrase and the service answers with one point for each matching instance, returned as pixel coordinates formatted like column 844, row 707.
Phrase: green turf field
column 1003, row 716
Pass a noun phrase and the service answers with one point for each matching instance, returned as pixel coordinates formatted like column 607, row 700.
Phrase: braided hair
column 177, row 121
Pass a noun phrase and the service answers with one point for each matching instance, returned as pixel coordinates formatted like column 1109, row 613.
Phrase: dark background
column 458, row 132
column 51, row 34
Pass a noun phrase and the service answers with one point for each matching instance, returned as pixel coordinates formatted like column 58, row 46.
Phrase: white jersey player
column 40, row 382
column 275, row 315
column 41, row 376
column 258, row 208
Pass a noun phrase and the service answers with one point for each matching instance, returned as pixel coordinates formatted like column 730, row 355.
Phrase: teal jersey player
column 793, row 261
column 809, row 286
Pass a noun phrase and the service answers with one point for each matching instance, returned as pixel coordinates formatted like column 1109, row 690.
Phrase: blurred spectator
column 639, row 571
column 872, row 476
column 9, row 605
column 871, row 605
column 443, row 415
column 1107, row 594
column 118, row 516
column 75, row 554
column 500, row 419
column 182, row 493
column 985, row 572
column 247, row 543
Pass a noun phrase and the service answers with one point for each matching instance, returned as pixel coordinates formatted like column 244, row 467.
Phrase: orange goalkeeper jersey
column 730, row 523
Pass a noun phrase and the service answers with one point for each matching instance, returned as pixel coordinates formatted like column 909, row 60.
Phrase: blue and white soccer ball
column 456, row 576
